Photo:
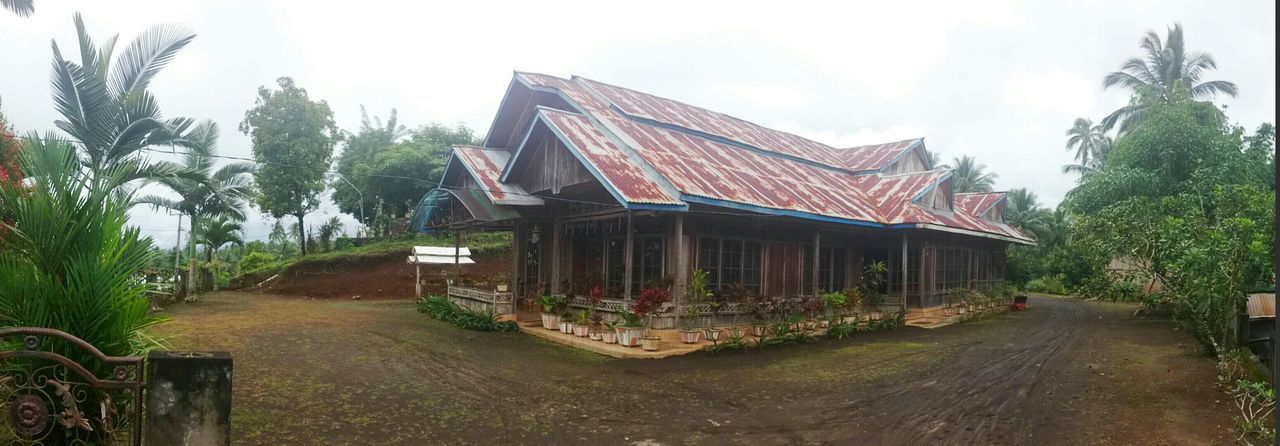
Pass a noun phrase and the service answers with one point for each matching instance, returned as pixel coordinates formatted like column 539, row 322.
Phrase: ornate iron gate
column 46, row 397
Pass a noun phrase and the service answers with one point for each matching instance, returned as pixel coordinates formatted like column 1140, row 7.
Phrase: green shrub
column 1047, row 284
column 441, row 308
column 256, row 261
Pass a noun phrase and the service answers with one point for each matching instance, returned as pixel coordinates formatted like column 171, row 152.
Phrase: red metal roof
column 485, row 165
column 717, row 159
column 604, row 158
column 976, row 203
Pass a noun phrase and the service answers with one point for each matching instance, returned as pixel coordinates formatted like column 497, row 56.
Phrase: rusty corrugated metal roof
column 712, row 158
column 485, row 165
column 605, row 159
column 1262, row 305
column 977, row 203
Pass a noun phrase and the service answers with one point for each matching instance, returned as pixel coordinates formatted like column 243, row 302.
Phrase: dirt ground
column 378, row 278
column 377, row 372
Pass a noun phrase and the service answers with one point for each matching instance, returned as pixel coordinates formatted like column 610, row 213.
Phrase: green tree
column 327, row 232
column 1023, row 211
column 971, row 176
column 400, row 173
column 23, row 8
column 203, row 191
column 1165, row 68
column 279, row 241
column 1091, row 145
column 106, row 107
column 293, row 139
column 372, row 138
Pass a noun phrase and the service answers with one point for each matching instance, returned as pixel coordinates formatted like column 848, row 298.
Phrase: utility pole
column 359, row 195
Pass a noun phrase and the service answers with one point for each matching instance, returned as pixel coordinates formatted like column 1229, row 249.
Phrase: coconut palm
column 327, row 231
column 216, row 233
column 1166, row 68
column 1023, row 211
column 106, row 107
column 1091, row 144
column 203, row 191
column 971, row 176
column 23, row 8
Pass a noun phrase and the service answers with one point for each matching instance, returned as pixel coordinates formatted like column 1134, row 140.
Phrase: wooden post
column 517, row 252
column 457, row 246
column 417, row 281
column 555, row 257
column 904, row 271
column 626, row 271
column 817, row 257
column 682, row 265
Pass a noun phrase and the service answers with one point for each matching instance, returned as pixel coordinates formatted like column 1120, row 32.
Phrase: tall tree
column 1023, row 211
column 1091, row 144
column 106, row 107
column 330, row 229
column 10, row 171
column 396, row 172
column 1166, row 67
column 203, row 191
column 971, row 176
column 372, row 138
column 23, row 8
column 293, row 139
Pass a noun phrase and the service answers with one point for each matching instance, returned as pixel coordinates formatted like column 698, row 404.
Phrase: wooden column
column 457, row 246
column 517, row 253
column 555, row 257
column 626, row 271
column 817, row 249
column 904, row 270
column 681, row 260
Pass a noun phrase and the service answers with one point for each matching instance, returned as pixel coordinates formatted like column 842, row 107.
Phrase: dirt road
column 1065, row 372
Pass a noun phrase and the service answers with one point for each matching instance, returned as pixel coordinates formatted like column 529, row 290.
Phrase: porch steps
column 932, row 322
column 670, row 346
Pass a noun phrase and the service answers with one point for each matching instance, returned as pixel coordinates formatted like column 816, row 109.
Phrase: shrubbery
column 1047, row 284
column 255, row 261
column 442, row 309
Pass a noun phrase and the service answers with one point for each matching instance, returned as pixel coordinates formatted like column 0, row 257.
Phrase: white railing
column 485, row 300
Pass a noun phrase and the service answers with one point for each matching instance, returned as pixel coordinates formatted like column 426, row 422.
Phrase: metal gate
column 47, row 397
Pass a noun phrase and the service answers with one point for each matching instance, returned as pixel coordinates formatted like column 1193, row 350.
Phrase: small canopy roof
column 440, row 207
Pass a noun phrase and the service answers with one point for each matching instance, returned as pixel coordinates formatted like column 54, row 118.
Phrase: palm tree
column 1166, row 69
column 1091, row 144
column 934, row 160
column 327, row 231
column 23, row 8
column 970, row 176
column 105, row 105
column 202, row 190
column 214, row 234
column 1023, row 210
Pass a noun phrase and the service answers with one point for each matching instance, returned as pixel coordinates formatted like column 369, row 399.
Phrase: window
column 729, row 262
column 646, row 261
column 833, row 268
column 953, row 269
column 913, row 270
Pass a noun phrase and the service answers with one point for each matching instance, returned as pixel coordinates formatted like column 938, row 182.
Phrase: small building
column 611, row 187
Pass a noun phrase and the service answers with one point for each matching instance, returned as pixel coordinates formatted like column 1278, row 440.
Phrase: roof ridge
column 866, row 146
column 711, row 111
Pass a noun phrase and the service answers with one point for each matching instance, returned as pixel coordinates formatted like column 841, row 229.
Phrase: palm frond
column 1212, row 88
column 146, row 56
column 23, row 8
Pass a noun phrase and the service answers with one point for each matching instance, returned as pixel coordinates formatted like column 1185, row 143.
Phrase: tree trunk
column 213, row 273
column 302, row 235
column 191, row 260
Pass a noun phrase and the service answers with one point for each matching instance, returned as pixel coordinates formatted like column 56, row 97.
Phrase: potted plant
column 695, row 294
column 609, row 335
column 761, row 310
column 872, row 280
column 812, row 309
column 853, row 298
column 582, row 324
column 502, row 281
column 689, row 334
column 566, row 323
column 834, row 303
column 550, row 303
column 649, row 303
column 630, row 330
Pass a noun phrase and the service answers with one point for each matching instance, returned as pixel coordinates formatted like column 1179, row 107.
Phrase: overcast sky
column 1001, row 80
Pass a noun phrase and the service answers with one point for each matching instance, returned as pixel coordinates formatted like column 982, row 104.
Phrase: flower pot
column 550, row 321
column 759, row 330
column 961, row 310
column 502, row 288
column 650, row 343
column 737, row 332
column 850, row 319
column 566, row 327
column 874, row 315
column 946, row 312
column 690, row 336
column 712, row 334
column 629, row 336
column 824, row 323
column 595, row 335
column 581, row 330
column 609, row 337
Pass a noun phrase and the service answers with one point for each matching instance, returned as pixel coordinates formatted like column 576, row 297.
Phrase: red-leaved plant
column 650, row 301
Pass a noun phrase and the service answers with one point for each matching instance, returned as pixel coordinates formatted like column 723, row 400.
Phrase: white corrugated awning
column 440, row 255
column 441, row 251
column 439, row 260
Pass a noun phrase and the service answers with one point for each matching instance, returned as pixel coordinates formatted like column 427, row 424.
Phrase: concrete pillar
column 188, row 398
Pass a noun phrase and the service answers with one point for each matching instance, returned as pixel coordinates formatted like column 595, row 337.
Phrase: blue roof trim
column 933, row 186
column 506, row 170
column 487, row 193
column 779, row 212
column 447, row 163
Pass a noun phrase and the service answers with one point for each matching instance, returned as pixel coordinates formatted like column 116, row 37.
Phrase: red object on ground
column 1018, row 307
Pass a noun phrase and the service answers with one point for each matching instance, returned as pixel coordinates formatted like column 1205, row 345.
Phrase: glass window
column 730, row 261
column 646, row 262
column 833, row 268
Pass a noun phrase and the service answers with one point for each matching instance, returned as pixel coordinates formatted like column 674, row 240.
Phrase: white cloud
column 1056, row 91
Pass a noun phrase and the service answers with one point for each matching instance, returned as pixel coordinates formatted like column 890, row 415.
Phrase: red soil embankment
column 382, row 277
